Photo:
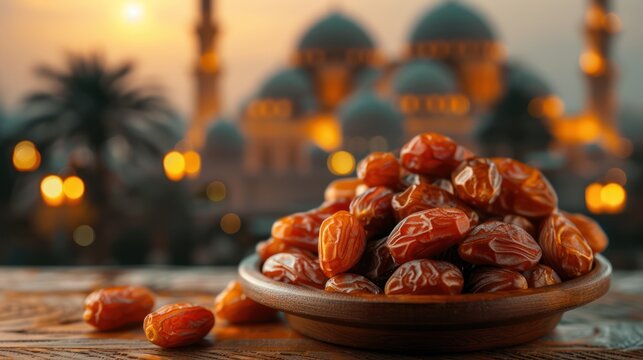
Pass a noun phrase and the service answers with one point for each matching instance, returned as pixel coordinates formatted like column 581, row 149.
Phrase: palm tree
column 105, row 129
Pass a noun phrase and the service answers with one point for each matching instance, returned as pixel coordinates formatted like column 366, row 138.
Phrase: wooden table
column 40, row 317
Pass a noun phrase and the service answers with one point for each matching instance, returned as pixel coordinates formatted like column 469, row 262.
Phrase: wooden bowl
column 433, row 323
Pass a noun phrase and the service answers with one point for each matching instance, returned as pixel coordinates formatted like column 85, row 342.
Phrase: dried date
column 427, row 196
column 341, row 243
column 116, row 307
column 376, row 264
column 374, row 211
column 351, row 284
column 233, row 306
column 423, row 277
column 591, row 230
column 564, row 248
column 300, row 230
column 379, row 169
column 270, row 247
column 521, row 222
column 433, row 154
column 500, row 244
column 541, row 275
column 427, row 233
column 489, row 279
column 477, row 182
column 178, row 325
column 342, row 189
column 296, row 269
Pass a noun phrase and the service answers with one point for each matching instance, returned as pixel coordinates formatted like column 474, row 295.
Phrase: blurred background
column 176, row 132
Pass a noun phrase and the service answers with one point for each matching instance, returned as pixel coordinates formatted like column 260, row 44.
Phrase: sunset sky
column 257, row 37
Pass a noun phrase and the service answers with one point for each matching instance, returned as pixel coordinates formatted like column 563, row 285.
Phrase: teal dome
column 292, row 84
column 451, row 21
column 335, row 32
column 521, row 78
column 422, row 77
column 365, row 115
column 224, row 137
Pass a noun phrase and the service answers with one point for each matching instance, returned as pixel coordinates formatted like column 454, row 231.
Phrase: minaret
column 207, row 72
column 599, row 69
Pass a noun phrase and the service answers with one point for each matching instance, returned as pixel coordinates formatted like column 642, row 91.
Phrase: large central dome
column 335, row 32
column 451, row 21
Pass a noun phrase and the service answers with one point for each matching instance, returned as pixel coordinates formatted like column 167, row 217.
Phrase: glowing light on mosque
column 325, row 133
column 592, row 63
column 51, row 189
column 25, row 156
column 174, row 165
column 341, row 163
column 192, row 163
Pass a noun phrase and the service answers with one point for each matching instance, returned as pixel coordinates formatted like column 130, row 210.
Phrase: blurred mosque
column 339, row 98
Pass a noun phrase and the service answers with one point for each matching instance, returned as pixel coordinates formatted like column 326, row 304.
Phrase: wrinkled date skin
column 379, row 169
column 433, row 154
column 374, row 211
column 593, row 233
column 300, row 230
column 233, row 306
column 296, row 269
column 564, row 247
column 116, row 307
column 427, row 233
column 376, row 264
column 500, row 244
column 525, row 190
column 521, row 222
column 177, row 325
column 342, row 189
column 489, row 279
column 426, row 196
column 270, row 247
column 423, row 277
column 541, row 275
column 341, row 243
column 351, row 284
column 477, row 182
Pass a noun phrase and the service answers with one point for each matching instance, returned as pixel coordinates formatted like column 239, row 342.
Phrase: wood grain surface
column 40, row 317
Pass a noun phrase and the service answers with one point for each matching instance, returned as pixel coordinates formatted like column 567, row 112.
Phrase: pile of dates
column 435, row 220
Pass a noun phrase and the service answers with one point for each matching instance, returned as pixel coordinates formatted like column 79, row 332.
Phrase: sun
column 133, row 11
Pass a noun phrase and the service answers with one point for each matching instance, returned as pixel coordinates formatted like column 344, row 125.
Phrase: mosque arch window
column 435, row 104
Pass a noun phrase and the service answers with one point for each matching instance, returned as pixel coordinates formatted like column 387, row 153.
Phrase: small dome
column 291, row 84
column 335, row 32
column 423, row 77
column 451, row 21
column 365, row 115
column 224, row 137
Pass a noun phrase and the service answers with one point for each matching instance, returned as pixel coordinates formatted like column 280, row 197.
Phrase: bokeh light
column 51, row 189
column 174, row 165
column 341, row 163
column 133, row 11
column 25, row 156
column 73, row 187
column 216, row 191
column 325, row 133
column 230, row 223
column 593, row 198
column 84, row 235
column 613, row 197
column 192, row 163
column 592, row 63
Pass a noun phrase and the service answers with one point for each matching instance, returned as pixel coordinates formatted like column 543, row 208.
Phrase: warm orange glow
column 230, row 223
column 553, row 107
column 73, row 188
column 325, row 133
column 192, row 163
column 25, row 156
column 51, row 189
column 209, row 62
column 133, row 11
column 174, row 165
column 582, row 129
column 614, row 23
column 341, row 163
column 592, row 63
column 613, row 197
column 216, row 191
column 593, row 198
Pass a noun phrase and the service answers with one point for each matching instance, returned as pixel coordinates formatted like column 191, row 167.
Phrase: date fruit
column 477, row 182
column 341, row 243
column 564, row 248
column 379, row 169
column 376, row 264
column 374, row 211
column 342, row 189
column 300, row 230
column 351, row 284
column 525, row 190
column 541, row 275
column 490, row 279
column 426, row 196
column 177, row 325
column 521, row 222
column 591, row 230
column 427, row 233
column 424, row 276
column 116, row 307
column 270, row 247
column 296, row 269
column 233, row 306
column 433, row 154
column 500, row 244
